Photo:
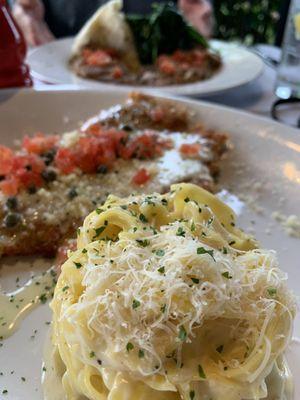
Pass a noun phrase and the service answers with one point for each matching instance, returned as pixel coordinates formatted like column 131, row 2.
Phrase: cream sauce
column 279, row 381
column 14, row 306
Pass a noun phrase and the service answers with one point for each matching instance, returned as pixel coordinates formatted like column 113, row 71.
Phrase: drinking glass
column 288, row 74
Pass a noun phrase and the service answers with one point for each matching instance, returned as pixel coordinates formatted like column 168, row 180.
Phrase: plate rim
column 185, row 89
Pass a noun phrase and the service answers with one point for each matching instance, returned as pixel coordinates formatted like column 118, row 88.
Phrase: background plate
column 50, row 63
column 263, row 168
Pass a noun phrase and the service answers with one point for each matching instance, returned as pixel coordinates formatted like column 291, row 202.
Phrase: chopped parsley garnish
column 98, row 231
column 129, row 346
column 272, row 291
column 201, row 372
column 187, row 199
column 180, row 232
column 92, row 354
column 141, row 353
column 4, row 391
column 161, row 270
column 160, row 253
column 84, row 251
column 124, row 207
column 182, row 333
column 202, row 250
column 143, row 243
column 135, row 303
column 192, row 395
column 231, row 243
column 225, row 251
column 143, row 218
column 23, row 379
column 163, row 308
column 77, row 264
column 193, row 226
column 78, row 231
column 43, row 298
column 99, row 210
column 65, row 288
column 226, row 275
column 195, row 280
column 164, row 202
column 220, row 348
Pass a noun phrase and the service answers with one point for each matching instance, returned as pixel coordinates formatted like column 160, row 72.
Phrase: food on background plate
column 158, row 49
column 51, row 183
column 165, row 298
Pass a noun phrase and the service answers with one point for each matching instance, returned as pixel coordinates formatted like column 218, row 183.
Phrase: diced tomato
column 64, row 160
column 27, row 170
column 117, row 72
column 9, row 186
column 98, row 58
column 190, row 149
column 166, row 65
column 157, row 114
column 141, row 177
column 6, row 157
column 39, row 143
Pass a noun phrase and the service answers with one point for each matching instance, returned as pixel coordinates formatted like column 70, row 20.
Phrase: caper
column 12, row 219
column 72, row 193
column 12, row 203
column 102, row 169
column 31, row 189
column 49, row 156
column 49, row 175
column 127, row 128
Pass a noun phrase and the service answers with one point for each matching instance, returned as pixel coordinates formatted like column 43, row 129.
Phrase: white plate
column 50, row 63
column 264, row 153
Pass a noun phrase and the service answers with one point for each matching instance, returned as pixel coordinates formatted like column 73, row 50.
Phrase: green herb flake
column 220, row 348
column 143, row 243
column 231, row 243
column 163, row 308
column 142, row 218
column 98, row 231
column 202, row 250
column 84, row 251
column 99, row 210
column 65, row 288
column 92, row 354
column 141, row 353
column 43, row 298
column 135, row 304
column 77, row 264
column 192, row 395
column 193, row 227
column 160, row 253
column 23, row 379
column 225, row 251
column 180, row 232
column 182, row 333
column 272, row 291
column 201, row 372
column 195, row 280
column 161, row 270
column 4, row 391
column 187, row 199
column 129, row 346
column 226, row 275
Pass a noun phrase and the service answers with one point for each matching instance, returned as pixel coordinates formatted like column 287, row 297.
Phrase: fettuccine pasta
column 165, row 298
